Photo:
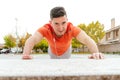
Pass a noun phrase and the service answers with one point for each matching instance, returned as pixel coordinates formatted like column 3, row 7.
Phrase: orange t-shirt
column 59, row 45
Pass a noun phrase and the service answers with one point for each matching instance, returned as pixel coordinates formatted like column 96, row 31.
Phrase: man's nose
column 60, row 28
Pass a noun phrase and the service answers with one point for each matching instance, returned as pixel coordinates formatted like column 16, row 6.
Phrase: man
column 59, row 33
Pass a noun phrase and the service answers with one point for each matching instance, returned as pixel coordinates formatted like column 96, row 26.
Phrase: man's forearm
column 92, row 46
column 28, row 46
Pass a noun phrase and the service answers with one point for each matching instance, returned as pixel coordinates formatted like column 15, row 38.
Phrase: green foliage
column 94, row 30
column 43, row 45
column 76, row 43
column 23, row 39
column 10, row 41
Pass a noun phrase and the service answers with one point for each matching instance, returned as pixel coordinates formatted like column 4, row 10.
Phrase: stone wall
column 94, row 77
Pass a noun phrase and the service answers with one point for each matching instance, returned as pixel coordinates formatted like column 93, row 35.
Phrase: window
column 108, row 36
column 115, row 34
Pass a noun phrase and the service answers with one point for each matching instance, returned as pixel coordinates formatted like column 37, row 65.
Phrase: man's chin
column 60, row 34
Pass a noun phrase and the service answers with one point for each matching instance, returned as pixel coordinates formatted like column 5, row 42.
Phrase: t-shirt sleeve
column 75, row 31
column 42, row 30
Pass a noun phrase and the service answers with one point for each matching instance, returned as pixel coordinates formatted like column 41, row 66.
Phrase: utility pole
column 17, row 40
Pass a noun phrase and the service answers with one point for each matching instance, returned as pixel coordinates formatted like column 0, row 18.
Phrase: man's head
column 58, row 20
column 57, row 12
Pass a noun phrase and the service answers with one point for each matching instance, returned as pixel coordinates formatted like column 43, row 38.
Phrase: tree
column 23, row 39
column 10, row 41
column 43, row 45
column 75, row 43
column 94, row 30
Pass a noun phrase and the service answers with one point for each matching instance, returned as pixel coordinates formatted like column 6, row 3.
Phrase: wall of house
column 107, row 48
column 114, row 47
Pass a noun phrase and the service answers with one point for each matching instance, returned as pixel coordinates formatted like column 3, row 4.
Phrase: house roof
column 114, row 28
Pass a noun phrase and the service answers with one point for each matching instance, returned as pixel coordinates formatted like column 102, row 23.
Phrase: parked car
column 0, row 51
column 15, row 50
column 5, row 51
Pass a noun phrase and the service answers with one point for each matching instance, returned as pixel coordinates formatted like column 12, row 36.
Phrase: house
column 111, row 40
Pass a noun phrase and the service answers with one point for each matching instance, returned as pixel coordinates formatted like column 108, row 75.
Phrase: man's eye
column 63, row 23
column 56, row 23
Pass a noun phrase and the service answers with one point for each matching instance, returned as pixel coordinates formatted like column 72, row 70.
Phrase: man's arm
column 90, row 43
column 34, row 39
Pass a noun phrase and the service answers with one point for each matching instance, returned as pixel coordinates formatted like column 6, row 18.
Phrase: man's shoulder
column 46, row 27
column 74, row 29
column 71, row 26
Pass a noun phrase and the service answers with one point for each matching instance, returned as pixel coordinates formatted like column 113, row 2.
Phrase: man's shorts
column 66, row 55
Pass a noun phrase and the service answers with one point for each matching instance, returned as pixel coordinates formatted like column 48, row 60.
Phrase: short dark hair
column 57, row 12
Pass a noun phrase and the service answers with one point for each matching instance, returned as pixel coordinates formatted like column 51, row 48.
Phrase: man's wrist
column 26, row 56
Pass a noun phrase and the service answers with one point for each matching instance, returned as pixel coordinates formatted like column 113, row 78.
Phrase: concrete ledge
column 79, row 68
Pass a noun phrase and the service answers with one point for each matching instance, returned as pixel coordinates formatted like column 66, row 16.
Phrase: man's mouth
column 61, row 31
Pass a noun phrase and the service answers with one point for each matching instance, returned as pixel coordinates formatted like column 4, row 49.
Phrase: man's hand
column 96, row 56
column 26, row 57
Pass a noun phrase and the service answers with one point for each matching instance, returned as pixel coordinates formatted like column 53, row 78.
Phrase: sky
column 28, row 15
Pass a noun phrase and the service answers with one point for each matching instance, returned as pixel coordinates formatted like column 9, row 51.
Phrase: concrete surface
column 79, row 67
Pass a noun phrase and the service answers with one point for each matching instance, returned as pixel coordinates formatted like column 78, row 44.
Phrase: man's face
column 59, row 25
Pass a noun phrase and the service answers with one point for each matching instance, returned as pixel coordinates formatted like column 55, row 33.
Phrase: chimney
column 112, row 22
